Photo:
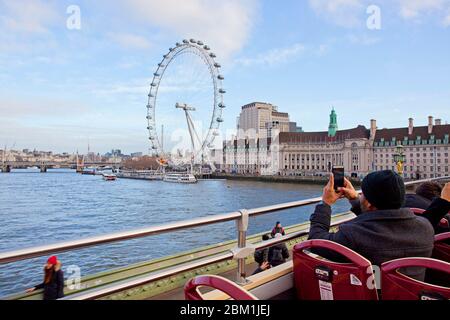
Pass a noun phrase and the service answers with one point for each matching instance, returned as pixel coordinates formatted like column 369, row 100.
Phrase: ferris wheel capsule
column 193, row 41
column 200, row 43
column 206, row 48
column 221, row 105
column 217, row 65
column 220, row 77
column 212, row 55
column 219, row 119
column 222, row 91
column 185, row 41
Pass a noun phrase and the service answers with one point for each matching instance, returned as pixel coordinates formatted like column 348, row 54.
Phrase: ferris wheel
column 186, row 93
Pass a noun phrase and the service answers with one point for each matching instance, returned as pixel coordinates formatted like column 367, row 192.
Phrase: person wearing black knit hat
column 383, row 231
column 384, row 190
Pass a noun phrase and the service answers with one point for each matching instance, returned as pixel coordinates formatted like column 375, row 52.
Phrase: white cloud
column 410, row 9
column 446, row 21
column 363, row 39
column 27, row 16
column 274, row 56
column 17, row 108
column 343, row 13
column 130, row 41
column 352, row 13
column 224, row 25
column 416, row 9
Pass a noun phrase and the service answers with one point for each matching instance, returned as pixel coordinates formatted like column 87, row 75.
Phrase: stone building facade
column 360, row 150
column 426, row 149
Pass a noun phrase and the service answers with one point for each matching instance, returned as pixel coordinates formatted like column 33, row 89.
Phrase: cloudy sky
column 62, row 87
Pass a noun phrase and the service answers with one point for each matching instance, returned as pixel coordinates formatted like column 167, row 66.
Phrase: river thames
column 43, row 208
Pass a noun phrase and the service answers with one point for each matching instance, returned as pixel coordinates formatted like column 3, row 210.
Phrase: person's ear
column 366, row 205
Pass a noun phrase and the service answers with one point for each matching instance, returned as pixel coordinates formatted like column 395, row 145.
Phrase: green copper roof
column 333, row 127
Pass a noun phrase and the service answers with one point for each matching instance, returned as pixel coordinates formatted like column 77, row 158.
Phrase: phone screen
column 338, row 173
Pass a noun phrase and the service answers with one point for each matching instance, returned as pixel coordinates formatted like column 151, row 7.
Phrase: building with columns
column 360, row 150
column 315, row 153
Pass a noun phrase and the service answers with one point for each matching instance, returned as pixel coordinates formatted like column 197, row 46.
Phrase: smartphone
column 338, row 173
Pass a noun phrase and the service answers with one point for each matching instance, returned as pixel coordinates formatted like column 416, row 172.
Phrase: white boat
column 141, row 174
column 109, row 177
column 180, row 178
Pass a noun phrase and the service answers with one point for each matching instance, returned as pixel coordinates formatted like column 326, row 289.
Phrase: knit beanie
column 384, row 190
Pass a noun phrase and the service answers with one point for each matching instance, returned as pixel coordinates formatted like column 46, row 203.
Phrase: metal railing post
column 242, row 226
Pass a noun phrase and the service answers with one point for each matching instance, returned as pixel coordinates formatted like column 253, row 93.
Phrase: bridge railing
column 239, row 253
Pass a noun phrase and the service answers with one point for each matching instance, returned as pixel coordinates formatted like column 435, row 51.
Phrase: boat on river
column 152, row 175
column 175, row 177
column 109, row 177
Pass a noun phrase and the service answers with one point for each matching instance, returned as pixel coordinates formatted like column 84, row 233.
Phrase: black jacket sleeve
column 436, row 211
column 320, row 229
column 39, row 286
column 356, row 206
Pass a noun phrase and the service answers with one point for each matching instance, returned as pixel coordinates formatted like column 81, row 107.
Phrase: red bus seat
column 417, row 211
column 441, row 252
column 397, row 286
column 442, row 247
column 319, row 279
column 226, row 286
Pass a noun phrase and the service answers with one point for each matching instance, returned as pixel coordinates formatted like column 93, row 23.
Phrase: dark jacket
column 278, row 254
column 55, row 288
column 379, row 236
column 438, row 209
column 434, row 211
column 258, row 270
column 278, row 230
column 413, row 200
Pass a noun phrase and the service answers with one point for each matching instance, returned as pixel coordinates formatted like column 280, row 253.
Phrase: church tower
column 333, row 127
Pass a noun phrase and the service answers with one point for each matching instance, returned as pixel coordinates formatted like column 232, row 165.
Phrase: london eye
column 186, row 96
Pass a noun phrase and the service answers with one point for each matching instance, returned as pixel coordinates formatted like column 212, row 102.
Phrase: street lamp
column 399, row 159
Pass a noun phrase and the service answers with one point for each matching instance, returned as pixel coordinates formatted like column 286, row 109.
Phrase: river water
column 38, row 208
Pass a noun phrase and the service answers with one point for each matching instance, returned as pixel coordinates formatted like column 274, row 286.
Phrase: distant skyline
column 61, row 88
